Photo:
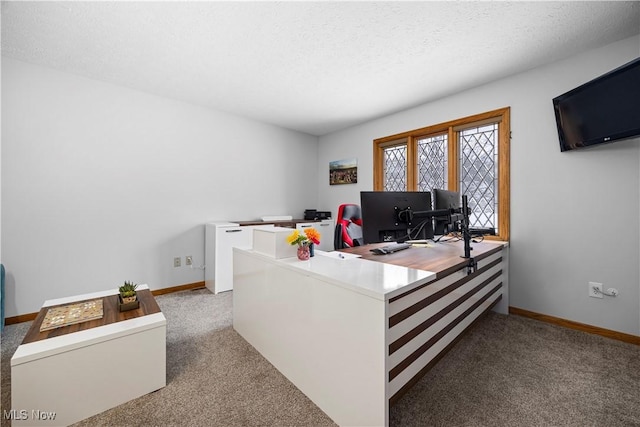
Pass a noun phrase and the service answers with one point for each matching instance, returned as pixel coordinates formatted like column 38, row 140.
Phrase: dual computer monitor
column 397, row 216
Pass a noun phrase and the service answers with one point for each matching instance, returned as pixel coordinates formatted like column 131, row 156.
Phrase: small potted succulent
column 128, row 296
column 128, row 292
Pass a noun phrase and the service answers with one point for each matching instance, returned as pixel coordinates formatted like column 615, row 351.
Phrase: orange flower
column 313, row 235
column 310, row 235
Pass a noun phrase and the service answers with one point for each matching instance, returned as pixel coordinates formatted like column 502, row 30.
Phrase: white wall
column 102, row 184
column 574, row 215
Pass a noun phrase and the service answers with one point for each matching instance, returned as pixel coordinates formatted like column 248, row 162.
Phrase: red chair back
column 348, row 227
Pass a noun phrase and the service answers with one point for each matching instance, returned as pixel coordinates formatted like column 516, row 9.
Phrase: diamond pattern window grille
column 432, row 162
column 478, row 170
column 479, row 174
column 395, row 168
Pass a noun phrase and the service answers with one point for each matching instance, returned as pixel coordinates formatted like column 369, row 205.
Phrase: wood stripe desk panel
column 426, row 321
column 355, row 334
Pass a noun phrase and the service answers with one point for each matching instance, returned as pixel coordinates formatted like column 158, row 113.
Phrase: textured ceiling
column 311, row 66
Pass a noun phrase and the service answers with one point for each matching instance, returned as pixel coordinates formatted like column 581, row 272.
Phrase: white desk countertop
column 376, row 279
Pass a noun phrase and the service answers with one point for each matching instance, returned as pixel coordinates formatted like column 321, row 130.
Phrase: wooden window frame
column 452, row 128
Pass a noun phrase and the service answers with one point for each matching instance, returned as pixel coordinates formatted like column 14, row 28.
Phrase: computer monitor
column 445, row 199
column 391, row 216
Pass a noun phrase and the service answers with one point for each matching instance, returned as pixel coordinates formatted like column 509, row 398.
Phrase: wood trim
column 501, row 115
column 477, row 124
column 412, row 164
column 187, row 287
column 504, row 174
column 31, row 316
column 411, row 310
column 378, row 159
column 452, row 269
column 620, row 336
column 453, row 153
column 438, row 336
column 397, row 344
column 469, row 277
column 378, row 156
column 394, row 399
column 443, row 258
column 111, row 314
column 21, row 318
column 442, row 127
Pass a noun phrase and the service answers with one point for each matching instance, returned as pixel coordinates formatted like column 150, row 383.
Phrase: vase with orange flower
column 304, row 240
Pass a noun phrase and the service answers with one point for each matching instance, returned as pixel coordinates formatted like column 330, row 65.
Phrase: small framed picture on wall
column 343, row 171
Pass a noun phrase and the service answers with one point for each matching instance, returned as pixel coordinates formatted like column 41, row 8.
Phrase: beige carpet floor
column 507, row 371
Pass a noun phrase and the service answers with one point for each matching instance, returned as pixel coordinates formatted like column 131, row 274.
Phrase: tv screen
column 602, row 110
column 380, row 222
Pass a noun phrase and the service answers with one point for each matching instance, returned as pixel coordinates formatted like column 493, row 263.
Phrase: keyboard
column 390, row 248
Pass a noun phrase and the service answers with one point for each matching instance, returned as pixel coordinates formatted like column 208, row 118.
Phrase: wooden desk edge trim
column 466, row 279
column 450, row 270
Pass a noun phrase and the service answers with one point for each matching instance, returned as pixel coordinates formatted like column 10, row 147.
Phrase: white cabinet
column 220, row 239
column 325, row 227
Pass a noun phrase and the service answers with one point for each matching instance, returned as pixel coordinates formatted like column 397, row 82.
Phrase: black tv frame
column 600, row 111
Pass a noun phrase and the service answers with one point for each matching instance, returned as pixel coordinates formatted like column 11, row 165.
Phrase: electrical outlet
column 176, row 262
column 595, row 290
column 188, row 260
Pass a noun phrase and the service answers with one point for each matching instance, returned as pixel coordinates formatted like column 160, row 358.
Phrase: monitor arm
column 407, row 215
column 472, row 265
column 460, row 216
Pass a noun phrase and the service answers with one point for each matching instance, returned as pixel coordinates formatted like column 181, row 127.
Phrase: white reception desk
column 354, row 334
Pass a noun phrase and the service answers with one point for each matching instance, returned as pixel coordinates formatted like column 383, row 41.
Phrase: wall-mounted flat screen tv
column 603, row 110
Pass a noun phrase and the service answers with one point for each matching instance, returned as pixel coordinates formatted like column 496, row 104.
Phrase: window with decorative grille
column 469, row 155
column 395, row 168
